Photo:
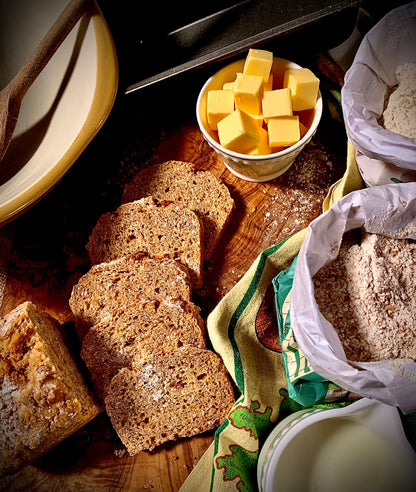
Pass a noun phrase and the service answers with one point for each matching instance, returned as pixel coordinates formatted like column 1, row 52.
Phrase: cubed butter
column 248, row 91
column 258, row 62
column 304, row 86
column 303, row 129
column 220, row 103
column 268, row 86
column 283, row 131
column 238, row 131
column 277, row 103
column 259, row 118
column 228, row 86
column 262, row 147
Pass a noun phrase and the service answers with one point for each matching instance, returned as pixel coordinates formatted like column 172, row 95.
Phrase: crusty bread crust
column 198, row 190
column 141, row 329
column 180, row 394
column 158, row 228
column 43, row 396
column 110, row 285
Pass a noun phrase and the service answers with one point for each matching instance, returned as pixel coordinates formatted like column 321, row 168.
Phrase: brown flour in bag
column 399, row 115
column 369, row 295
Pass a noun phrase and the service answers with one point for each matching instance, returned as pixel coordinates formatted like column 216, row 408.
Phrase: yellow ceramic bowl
column 64, row 108
column 263, row 167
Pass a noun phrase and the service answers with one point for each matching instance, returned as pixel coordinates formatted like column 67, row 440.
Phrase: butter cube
column 268, row 86
column 304, row 86
column 277, row 103
column 262, row 147
column 283, row 131
column 258, row 118
column 228, row 86
column 220, row 103
column 238, row 131
column 303, row 129
column 258, row 62
column 248, row 91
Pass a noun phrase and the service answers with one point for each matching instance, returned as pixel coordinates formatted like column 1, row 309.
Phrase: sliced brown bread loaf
column 140, row 330
column 43, row 396
column 198, row 190
column 180, row 394
column 113, row 284
column 158, row 228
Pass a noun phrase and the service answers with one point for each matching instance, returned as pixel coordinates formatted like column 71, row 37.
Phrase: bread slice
column 110, row 285
column 140, row 330
column 158, row 228
column 198, row 190
column 43, row 396
column 166, row 397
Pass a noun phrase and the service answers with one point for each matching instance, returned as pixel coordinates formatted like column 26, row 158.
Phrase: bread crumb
column 120, row 452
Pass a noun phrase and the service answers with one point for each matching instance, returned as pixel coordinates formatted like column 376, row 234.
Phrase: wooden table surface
column 49, row 256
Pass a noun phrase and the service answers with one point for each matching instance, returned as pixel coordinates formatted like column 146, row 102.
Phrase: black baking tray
column 158, row 40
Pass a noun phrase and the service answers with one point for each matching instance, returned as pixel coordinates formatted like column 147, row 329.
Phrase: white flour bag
column 383, row 156
column 388, row 210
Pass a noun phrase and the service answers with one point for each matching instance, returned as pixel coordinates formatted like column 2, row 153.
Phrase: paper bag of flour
column 388, row 210
column 383, row 156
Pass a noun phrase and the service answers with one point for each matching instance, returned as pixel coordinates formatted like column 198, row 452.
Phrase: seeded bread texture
column 114, row 284
column 198, row 190
column 43, row 396
column 140, row 330
column 151, row 226
column 180, row 394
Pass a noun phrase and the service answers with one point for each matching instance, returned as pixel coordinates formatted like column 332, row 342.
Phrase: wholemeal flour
column 400, row 113
column 369, row 295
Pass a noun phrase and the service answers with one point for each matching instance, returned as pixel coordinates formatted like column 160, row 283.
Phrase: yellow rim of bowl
column 103, row 100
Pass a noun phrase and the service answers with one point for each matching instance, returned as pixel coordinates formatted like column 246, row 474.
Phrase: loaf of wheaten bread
column 198, row 190
column 155, row 227
column 114, row 284
column 43, row 396
column 140, row 330
column 166, row 397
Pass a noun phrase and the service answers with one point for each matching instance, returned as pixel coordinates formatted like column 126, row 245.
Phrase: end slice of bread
column 180, row 394
column 111, row 285
column 198, row 190
column 139, row 330
column 157, row 228
column 43, row 395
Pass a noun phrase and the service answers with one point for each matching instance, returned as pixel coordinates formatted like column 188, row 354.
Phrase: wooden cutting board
column 48, row 258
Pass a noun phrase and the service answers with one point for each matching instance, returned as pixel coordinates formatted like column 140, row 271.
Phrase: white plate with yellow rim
column 64, row 108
